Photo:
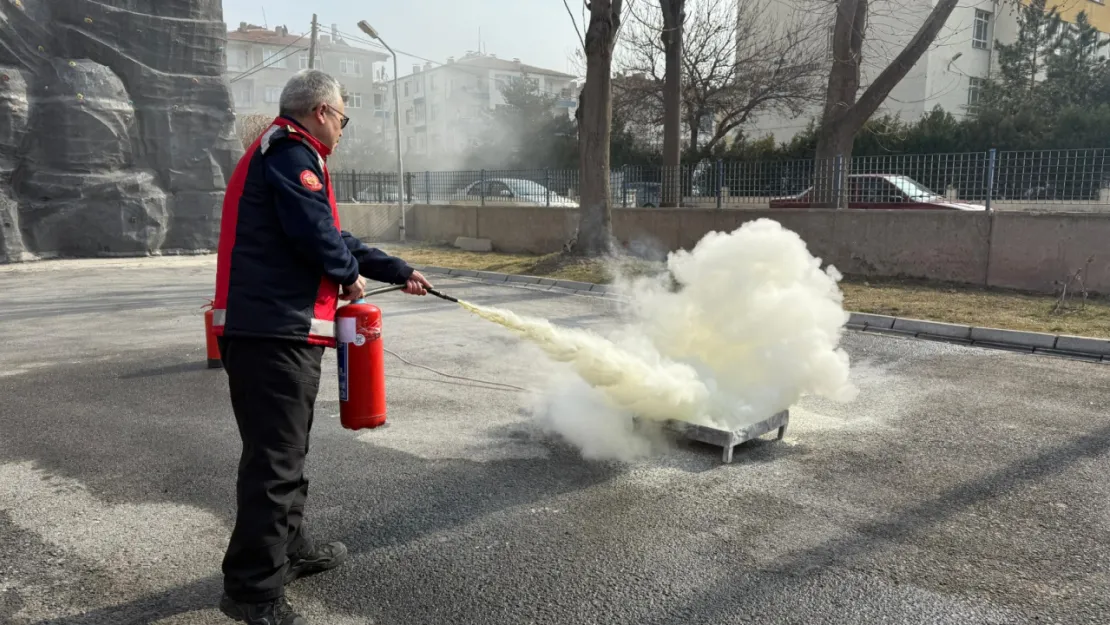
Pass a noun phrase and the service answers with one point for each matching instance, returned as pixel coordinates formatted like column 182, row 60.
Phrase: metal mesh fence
column 966, row 180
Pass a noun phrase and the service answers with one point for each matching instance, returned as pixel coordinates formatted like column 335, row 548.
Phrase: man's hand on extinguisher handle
column 417, row 284
column 354, row 291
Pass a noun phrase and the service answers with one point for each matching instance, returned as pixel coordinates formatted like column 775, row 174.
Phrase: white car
column 514, row 191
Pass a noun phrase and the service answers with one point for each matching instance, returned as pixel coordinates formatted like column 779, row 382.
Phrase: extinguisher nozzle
column 442, row 295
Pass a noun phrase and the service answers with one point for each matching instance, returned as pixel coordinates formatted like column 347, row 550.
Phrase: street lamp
column 365, row 27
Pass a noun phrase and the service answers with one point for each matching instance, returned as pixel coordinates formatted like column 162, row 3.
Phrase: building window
column 408, row 117
column 350, row 67
column 981, row 33
column 273, row 59
column 377, row 101
column 411, row 143
column 238, row 59
column 317, row 63
column 974, row 91
column 273, row 95
column 355, row 101
column 435, row 111
column 244, row 95
column 406, row 88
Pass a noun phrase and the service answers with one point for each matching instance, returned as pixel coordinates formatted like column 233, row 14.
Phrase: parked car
column 374, row 194
column 514, row 191
column 883, row 191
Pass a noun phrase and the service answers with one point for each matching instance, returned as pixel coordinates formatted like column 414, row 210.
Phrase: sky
column 539, row 32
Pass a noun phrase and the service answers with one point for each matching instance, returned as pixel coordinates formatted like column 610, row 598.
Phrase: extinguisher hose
column 384, row 289
column 442, row 295
column 398, row 287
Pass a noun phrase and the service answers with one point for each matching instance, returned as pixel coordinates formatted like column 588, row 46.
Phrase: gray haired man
column 283, row 264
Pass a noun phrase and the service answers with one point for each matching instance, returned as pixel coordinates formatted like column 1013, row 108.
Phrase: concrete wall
column 381, row 223
column 1011, row 249
column 1030, row 251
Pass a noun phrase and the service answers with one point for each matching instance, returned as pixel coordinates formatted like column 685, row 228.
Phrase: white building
column 260, row 62
column 442, row 106
column 950, row 74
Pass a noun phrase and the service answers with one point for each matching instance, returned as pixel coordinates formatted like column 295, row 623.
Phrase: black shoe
column 277, row 612
column 322, row 558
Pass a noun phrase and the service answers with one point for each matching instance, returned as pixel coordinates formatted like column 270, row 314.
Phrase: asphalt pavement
column 964, row 486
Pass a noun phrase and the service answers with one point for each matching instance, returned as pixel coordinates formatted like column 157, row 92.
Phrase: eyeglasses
column 343, row 119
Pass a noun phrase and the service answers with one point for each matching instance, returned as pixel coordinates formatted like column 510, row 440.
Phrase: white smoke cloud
column 753, row 325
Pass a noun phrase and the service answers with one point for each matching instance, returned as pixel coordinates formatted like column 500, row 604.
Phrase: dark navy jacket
column 282, row 254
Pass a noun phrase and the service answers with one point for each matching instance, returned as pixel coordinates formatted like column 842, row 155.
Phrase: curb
column 1060, row 345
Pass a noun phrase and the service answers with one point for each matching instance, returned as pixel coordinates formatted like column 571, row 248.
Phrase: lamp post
column 365, row 27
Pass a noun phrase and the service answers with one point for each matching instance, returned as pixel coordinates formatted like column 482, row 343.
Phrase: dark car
column 883, row 191
column 643, row 194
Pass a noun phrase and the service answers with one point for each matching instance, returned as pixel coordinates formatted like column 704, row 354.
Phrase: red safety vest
column 320, row 328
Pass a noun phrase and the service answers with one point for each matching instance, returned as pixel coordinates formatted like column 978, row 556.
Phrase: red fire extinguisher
column 361, row 365
column 212, row 347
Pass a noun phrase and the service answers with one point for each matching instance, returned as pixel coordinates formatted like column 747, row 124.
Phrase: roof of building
column 280, row 36
column 492, row 62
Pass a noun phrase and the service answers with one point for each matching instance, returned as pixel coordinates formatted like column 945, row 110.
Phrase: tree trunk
column 844, row 115
column 695, row 136
column 674, row 17
column 834, row 141
column 831, row 167
column 595, row 220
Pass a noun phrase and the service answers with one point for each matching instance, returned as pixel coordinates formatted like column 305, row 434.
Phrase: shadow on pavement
column 713, row 604
column 200, row 595
column 165, row 430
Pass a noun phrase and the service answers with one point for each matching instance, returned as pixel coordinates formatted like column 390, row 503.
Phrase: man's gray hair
column 308, row 89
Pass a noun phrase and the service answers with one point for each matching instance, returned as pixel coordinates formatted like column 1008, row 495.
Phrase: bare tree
column 595, row 219
column 674, row 18
column 250, row 127
column 844, row 115
column 738, row 61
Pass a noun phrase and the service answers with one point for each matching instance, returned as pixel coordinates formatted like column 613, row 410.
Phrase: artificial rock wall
column 116, row 127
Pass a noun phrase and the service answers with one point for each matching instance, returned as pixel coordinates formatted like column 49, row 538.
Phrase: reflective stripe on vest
column 319, row 327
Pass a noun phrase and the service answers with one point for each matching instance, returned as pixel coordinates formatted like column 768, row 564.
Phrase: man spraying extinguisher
column 283, row 265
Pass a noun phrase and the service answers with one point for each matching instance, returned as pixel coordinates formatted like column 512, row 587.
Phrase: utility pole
column 365, row 27
column 312, row 44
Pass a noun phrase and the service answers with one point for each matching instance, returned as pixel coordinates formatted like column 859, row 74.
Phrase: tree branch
column 857, row 114
column 581, row 40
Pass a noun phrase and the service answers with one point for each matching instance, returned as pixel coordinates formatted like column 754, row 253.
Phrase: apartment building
column 260, row 61
column 443, row 106
column 951, row 74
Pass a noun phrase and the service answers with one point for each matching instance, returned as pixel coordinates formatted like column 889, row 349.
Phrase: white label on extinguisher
column 346, row 329
column 341, row 352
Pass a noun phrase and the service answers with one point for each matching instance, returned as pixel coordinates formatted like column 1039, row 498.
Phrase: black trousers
column 273, row 384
